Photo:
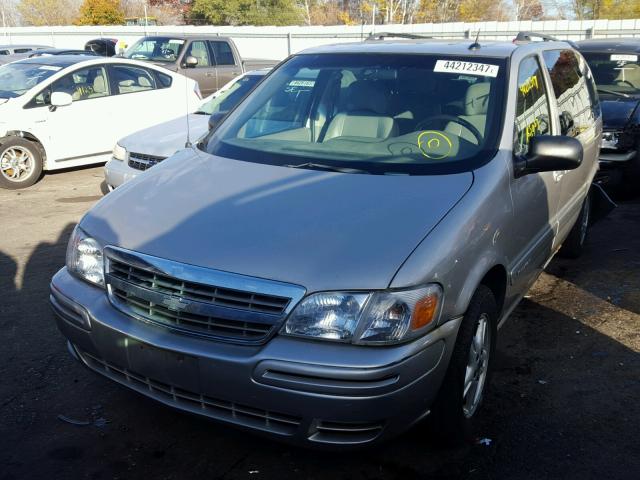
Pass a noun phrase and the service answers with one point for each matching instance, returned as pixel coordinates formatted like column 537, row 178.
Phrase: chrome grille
column 195, row 300
column 202, row 293
column 141, row 161
column 215, row 408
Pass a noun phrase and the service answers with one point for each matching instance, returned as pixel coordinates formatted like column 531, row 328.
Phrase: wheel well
column 496, row 280
column 31, row 137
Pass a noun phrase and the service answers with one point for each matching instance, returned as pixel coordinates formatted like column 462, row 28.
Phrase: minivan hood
column 616, row 112
column 321, row 230
column 165, row 139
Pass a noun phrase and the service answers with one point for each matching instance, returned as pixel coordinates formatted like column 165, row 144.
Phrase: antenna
column 475, row 45
column 188, row 143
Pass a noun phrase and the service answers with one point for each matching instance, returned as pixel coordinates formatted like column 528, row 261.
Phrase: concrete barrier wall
column 278, row 42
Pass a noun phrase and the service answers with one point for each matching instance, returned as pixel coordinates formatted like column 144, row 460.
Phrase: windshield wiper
column 200, row 112
column 329, row 168
column 611, row 92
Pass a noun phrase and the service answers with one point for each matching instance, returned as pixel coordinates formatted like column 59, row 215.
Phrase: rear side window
column 532, row 109
column 568, row 77
column 22, row 50
column 4, row 52
column 130, row 79
column 164, row 80
column 222, row 53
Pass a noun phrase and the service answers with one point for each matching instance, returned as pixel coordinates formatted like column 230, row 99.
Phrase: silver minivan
column 333, row 261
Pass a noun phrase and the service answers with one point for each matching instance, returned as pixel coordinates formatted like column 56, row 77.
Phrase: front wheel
column 20, row 163
column 460, row 398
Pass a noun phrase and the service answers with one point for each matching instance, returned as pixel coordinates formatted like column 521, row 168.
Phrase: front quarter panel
column 467, row 243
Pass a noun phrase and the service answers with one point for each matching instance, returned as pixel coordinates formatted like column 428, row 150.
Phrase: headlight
column 610, row 140
column 84, row 257
column 119, row 152
column 371, row 318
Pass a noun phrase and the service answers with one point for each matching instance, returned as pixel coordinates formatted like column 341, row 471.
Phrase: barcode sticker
column 617, row 57
column 470, row 68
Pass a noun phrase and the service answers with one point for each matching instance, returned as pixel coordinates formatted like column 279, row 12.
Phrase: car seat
column 475, row 108
column 366, row 114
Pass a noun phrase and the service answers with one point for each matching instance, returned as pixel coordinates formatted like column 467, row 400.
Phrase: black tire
column 573, row 246
column 452, row 424
column 8, row 148
column 630, row 180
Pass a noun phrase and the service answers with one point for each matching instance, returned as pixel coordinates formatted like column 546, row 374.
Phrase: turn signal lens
column 424, row 311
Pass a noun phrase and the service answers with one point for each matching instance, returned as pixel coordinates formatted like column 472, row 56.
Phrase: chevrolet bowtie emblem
column 175, row 303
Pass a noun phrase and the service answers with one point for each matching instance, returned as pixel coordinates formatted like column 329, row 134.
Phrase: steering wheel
column 460, row 121
column 619, row 82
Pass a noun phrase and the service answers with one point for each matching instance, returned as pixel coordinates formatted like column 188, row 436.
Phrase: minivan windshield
column 17, row 78
column 228, row 97
column 156, row 49
column 615, row 72
column 370, row 113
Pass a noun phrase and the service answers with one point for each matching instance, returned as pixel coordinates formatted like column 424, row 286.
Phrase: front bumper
column 117, row 172
column 314, row 393
column 617, row 157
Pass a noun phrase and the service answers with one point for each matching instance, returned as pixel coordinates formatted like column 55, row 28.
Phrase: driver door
column 535, row 196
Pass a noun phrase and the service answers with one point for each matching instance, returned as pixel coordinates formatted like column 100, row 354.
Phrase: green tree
column 100, row 12
column 248, row 12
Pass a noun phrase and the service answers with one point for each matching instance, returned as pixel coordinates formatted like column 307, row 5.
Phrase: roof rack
column 383, row 35
column 529, row 36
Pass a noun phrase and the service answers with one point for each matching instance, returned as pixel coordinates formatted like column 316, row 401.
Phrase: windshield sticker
column 175, row 40
column 302, row 83
column 471, row 68
column 616, row 57
column 434, row 145
column 52, row 68
column 529, row 84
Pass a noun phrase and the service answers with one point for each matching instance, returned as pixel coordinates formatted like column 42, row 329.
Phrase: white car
column 65, row 111
column 137, row 152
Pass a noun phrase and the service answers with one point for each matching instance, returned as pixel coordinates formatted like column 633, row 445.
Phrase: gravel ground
column 563, row 402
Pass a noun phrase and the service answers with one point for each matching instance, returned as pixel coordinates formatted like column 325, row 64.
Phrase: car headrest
column 477, row 99
column 368, row 96
column 144, row 81
column 98, row 84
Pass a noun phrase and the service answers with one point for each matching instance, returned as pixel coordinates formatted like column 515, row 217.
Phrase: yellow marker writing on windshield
column 435, row 145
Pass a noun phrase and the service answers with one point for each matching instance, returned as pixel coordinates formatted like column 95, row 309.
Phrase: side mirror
column 190, row 61
column 550, row 153
column 215, row 119
column 61, row 99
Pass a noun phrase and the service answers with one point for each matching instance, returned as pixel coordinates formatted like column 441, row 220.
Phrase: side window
column 198, row 49
column 130, row 79
column 4, row 52
column 567, row 72
column 22, row 50
column 164, row 80
column 222, row 53
column 532, row 109
column 593, row 91
column 83, row 84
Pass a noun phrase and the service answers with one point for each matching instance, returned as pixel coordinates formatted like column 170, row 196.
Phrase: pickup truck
column 210, row 60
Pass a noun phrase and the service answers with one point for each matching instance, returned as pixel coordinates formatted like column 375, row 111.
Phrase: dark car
column 105, row 47
column 615, row 64
column 60, row 51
